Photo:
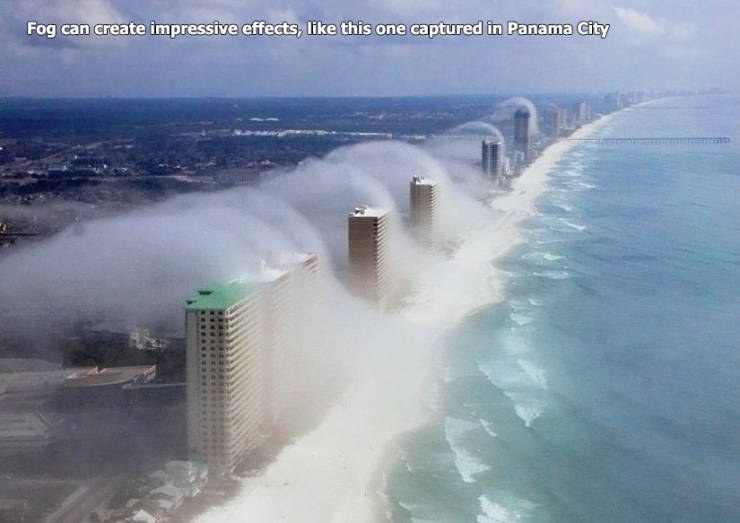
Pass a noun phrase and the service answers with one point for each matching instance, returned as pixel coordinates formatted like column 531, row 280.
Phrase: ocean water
column 605, row 387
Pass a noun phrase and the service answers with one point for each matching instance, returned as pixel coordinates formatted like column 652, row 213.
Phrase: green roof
column 219, row 296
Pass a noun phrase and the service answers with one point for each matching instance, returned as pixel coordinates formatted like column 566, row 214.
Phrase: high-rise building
column 307, row 262
column 285, row 284
column 294, row 371
column 491, row 158
column 522, row 138
column 278, row 327
column 580, row 112
column 368, row 230
column 557, row 121
column 304, row 269
column 224, row 340
column 422, row 207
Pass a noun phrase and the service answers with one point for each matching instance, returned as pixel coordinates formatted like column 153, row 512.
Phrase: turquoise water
column 605, row 386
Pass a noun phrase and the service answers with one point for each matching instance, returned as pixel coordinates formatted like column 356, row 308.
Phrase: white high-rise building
column 368, row 230
column 304, row 269
column 278, row 319
column 422, row 207
column 284, row 283
column 305, row 263
column 224, row 343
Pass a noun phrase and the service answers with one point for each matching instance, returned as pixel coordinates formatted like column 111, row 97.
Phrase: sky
column 651, row 44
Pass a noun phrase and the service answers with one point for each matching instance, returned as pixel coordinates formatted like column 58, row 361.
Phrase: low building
column 30, row 432
column 167, row 489
column 167, row 498
column 154, row 395
column 33, row 389
column 13, row 510
column 102, row 387
column 142, row 516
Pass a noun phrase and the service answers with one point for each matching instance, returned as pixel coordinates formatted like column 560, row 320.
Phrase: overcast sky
column 652, row 44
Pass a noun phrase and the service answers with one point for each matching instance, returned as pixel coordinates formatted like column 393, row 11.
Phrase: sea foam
column 576, row 226
column 466, row 463
column 488, row 427
column 509, row 509
column 526, row 406
column 536, row 373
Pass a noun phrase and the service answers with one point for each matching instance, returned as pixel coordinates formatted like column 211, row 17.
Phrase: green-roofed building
column 224, row 337
column 219, row 296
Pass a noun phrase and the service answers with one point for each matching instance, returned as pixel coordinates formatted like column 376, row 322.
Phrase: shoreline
column 540, row 168
column 337, row 471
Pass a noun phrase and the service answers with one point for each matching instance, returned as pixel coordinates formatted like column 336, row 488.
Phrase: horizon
column 503, row 94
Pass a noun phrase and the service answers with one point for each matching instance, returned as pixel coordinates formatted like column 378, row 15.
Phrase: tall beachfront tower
column 422, row 207
column 491, row 159
column 557, row 121
column 522, row 138
column 224, row 341
column 286, row 285
column 290, row 297
column 278, row 328
column 580, row 112
column 304, row 268
column 368, row 231
column 295, row 316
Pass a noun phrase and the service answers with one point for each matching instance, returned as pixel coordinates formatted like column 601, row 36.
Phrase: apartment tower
column 422, row 207
column 491, row 163
column 368, row 230
column 278, row 334
column 522, row 137
column 224, row 340
column 557, row 121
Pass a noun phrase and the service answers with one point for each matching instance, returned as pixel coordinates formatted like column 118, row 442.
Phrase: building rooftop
column 110, row 376
column 281, row 259
column 38, row 381
column 420, row 180
column 219, row 296
column 267, row 274
column 26, row 365
column 365, row 211
column 19, row 425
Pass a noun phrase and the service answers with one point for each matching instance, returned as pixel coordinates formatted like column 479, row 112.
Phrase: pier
column 653, row 140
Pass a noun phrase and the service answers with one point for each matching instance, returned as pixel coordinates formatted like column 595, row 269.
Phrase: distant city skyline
column 648, row 47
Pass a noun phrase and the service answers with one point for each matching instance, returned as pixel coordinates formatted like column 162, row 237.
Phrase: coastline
column 516, row 206
column 336, row 472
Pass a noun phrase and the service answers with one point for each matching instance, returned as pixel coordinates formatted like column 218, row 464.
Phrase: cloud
column 24, row 47
column 645, row 26
column 364, row 65
column 77, row 11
